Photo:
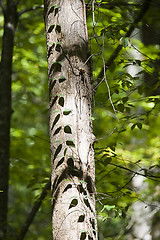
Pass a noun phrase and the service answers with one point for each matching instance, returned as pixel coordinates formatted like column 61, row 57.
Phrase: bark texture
column 10, row 23
column 71, row 137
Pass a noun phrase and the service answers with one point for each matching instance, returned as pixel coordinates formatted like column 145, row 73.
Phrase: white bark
column 71, row 136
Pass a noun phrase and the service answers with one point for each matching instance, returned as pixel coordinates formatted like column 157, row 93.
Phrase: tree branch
column 34, row 210
column 116, row 4
column 144, row 9
column 152, row 177
column 30, row 9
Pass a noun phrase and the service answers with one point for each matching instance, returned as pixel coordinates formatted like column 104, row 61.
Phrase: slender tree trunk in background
column 71, row 137
column 10, row 22
column 150, row 36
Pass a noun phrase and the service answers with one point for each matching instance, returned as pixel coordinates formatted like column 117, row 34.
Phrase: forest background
column 126, row 118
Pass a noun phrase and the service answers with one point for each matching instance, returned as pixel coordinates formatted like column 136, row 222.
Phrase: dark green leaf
column 67, row 129
column 120, row 107
column 62, row 79
column 70, row 143
column 57, row 131
column 61, row 101
column 74, row 203
column 66, row 112
column 58, row 149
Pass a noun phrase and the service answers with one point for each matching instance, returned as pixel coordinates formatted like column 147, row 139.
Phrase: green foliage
column 126, row 112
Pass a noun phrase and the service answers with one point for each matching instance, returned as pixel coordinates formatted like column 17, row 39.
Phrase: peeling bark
column 71, row 136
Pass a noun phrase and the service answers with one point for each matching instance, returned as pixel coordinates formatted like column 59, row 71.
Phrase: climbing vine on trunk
column 71, row 137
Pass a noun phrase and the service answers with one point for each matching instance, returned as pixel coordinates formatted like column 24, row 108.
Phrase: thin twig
column 105, row 79
column 142, row 53
column 93, row 2
column 41, row 138
column 92, row 55
column 116, row 4
column 136, row 173
column 97, row 139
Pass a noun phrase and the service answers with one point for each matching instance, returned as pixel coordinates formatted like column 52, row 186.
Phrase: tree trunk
column 10, row 22
column 151, row 36
column 71, row 137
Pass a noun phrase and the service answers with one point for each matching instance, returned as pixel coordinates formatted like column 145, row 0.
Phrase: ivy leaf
column 83, row 235
column 67, row 129
column 66, row 112
column 61, row 101
column 124, row 99
column 62, row 79
column 57, row 131
column 120, row 107
column 73, row 203
column 133, row 126
column 51, row 27
column 81, row 218
column 70, row 143
column 139, row 125
column 58, row 149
